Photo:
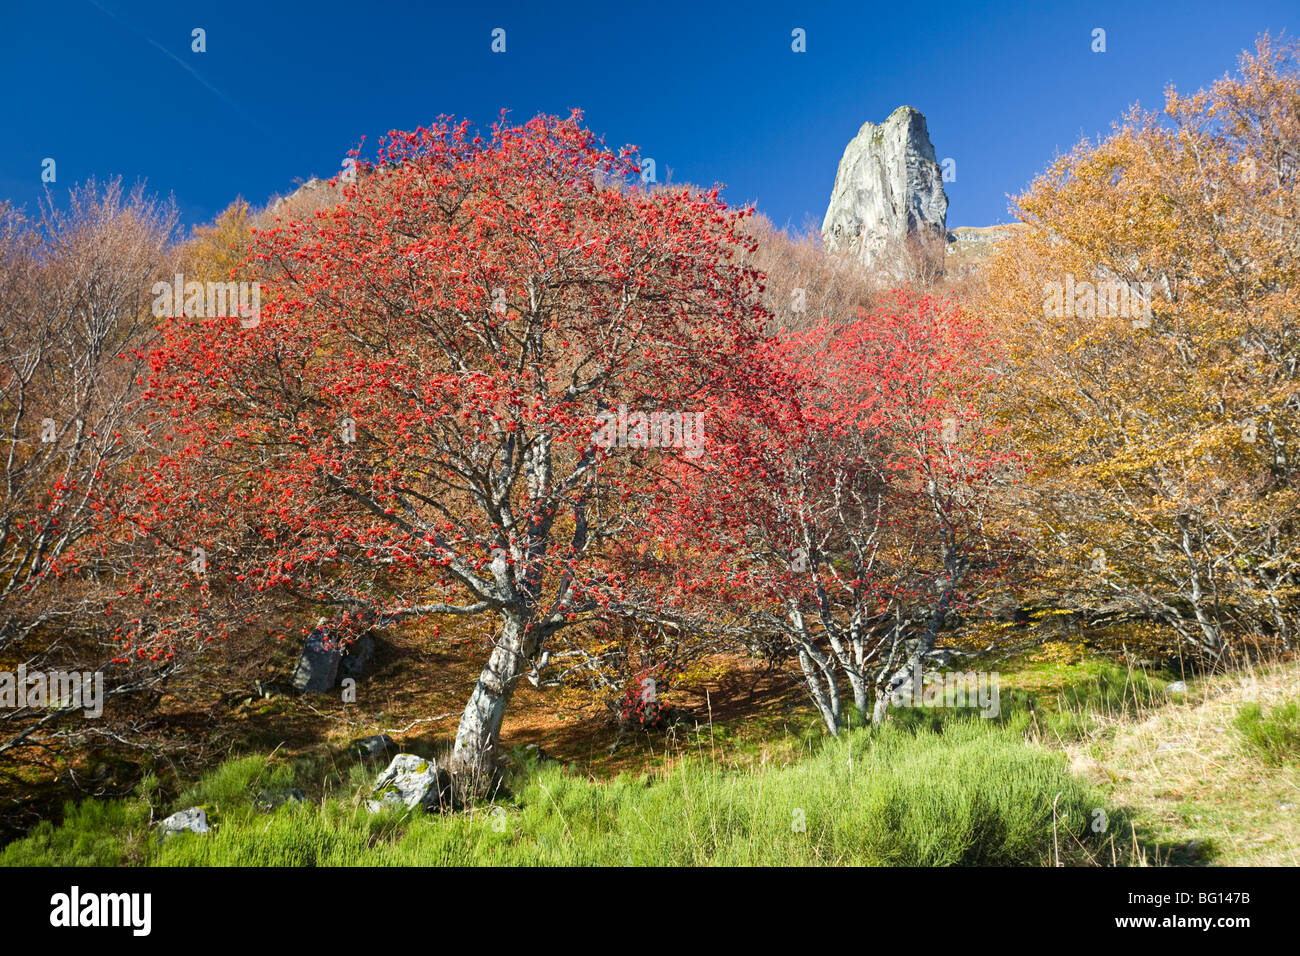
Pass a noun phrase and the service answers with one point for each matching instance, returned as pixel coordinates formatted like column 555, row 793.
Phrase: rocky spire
column 888, row 188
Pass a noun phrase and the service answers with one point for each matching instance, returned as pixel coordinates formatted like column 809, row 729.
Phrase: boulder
column 380, row 745
column 325, row 661
column 193, row 820
column 356, row 657
column 317, row 670
column 411, row 782
column 888, row 188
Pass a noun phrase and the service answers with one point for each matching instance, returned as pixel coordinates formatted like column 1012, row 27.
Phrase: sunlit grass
column 972, row 794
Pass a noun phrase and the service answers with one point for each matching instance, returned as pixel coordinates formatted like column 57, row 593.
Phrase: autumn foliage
column 418, row 425
column 408, row 429
column 851, row 511
column 1149, row 313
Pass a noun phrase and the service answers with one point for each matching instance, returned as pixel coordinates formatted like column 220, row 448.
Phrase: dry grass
column 1190, row 782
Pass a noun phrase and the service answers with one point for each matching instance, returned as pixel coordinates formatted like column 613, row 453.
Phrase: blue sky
column 714, row 91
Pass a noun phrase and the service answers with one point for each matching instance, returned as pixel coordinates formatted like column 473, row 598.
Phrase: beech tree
column 412, row 428
column 1154, row 362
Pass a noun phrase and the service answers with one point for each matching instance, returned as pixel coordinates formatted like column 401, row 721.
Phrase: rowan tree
column 410, row 430
column 852, row 513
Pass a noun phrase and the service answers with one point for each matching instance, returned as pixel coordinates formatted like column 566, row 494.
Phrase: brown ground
column 415, row 692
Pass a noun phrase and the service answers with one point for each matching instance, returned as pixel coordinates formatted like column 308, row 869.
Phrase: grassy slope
column 1193, row 783
column 973, row 794
column 933, row 788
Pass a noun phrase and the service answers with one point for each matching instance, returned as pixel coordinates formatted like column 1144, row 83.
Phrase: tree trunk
column 1212, row 634
column 818, row 670
column 479, row 734
column 908, row 674
column 861, row 693
column 822, row 688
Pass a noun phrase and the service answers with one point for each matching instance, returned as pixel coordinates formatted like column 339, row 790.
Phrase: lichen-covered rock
column 409, row 782
column 888, row 188
column 193, row 820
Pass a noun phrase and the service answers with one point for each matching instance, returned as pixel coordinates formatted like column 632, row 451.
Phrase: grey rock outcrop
column 356, row 660
column 379, row 745
column 980, row 239
column 325, row 661
column 317, row 670
column 411, row 782
column 193, row 820
column 970, row 247
column 888, row 189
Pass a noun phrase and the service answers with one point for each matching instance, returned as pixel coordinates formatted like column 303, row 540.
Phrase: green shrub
column 1275, row 737
column 93, row 833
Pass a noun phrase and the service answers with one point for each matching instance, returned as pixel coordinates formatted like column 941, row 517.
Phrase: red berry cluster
column 641, row 710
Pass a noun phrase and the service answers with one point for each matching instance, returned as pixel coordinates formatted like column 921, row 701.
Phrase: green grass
column 1198, row 791
column 1108, row 691
column 1057, row 702
column 973, row 793
column 1276, row 736
column 1064, row 702
column 93, row 833
column 935, row 786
